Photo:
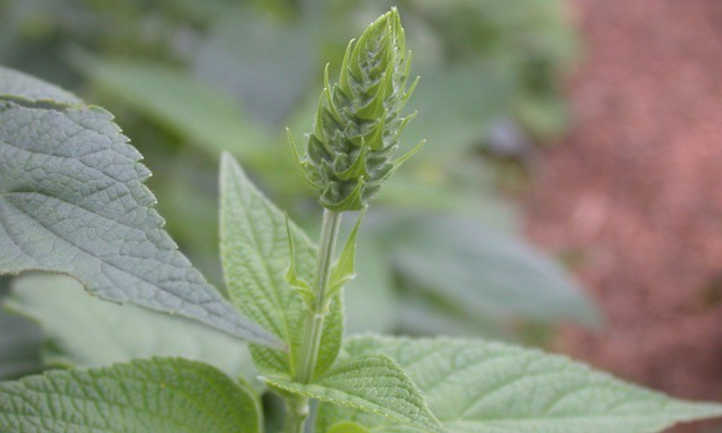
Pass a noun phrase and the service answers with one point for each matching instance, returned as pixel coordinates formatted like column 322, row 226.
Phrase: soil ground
column 634, row 192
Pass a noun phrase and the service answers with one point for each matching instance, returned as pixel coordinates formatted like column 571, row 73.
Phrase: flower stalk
column 349, row 155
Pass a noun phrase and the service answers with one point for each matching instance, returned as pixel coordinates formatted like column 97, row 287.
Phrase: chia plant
column 73, row 201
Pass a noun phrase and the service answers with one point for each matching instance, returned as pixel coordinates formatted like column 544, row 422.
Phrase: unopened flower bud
column 351, row 150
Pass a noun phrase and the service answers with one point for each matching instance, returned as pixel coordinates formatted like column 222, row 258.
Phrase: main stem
column 314, row 321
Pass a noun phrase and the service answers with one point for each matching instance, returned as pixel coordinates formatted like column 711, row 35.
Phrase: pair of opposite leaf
column 341, row 272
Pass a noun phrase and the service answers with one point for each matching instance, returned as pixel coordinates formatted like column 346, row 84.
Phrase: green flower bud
column 351, row 150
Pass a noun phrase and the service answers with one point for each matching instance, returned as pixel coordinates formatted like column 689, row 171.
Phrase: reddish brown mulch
column 635, row 191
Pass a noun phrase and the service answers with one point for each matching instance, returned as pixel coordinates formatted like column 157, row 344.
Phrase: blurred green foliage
column 189, row 79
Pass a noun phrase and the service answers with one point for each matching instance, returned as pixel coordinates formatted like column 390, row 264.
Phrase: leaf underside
column 87, row 332
column 72, row 201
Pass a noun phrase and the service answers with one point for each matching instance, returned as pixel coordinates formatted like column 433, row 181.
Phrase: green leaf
column 17, row 85
column 485, row 273
column 212, row 121
column 369, row 298
column 159, row 395
column 21, row 342
column 474, row 386
column 256, row 254
column 373, row 384
column 86, row 332
column 72, row 201
column 296, row 282
column 253, row 45
column 343, row 270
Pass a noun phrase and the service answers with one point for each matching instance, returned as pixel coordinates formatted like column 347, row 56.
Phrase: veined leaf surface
column 72, row 201
column 162, row 395
column 474, row 386
column 372, row 384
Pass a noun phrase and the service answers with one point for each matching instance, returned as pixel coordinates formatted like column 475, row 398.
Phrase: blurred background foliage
column 441, row 253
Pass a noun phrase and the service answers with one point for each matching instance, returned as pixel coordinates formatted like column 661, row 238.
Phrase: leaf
column 299, row 284
column 212, row 121
column 256, row 254
column 159, row 395
column 476, row 386
column 253, row 45
column 15, row 84
column 20, row 343
column 369, row 298
column 373, row 384
column 86, row 332
column 343, row 270
column 485, row 273
column 72, row 201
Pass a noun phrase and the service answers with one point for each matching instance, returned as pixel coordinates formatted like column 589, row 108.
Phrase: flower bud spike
column 359, row 119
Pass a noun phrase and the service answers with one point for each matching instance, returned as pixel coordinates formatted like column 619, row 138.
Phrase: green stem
column 297, row 409
column 296, row 414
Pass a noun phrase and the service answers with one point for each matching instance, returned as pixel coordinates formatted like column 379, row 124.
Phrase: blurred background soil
column 633, row 195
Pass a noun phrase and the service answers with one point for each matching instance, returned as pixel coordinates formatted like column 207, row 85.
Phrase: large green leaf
column 159, row 395
column 483, row 273
column 72, row 200
column 373, row 384
column 20, row 346
column 15, row 84
column 253, row 45
column 255, row 253
column 474, row 386
column 369, row 298
column 86, row 332
column 20, row 341
column 213, row 121
column 179, row 102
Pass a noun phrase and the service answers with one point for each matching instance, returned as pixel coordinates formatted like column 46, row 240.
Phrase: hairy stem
column 297, row 411
column 314, row 322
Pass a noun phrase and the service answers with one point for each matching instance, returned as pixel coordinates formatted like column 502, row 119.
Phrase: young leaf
column 255, row 251
column 162, row 395
column 296, row 282
column 343, row 271
column 87, row 332
column 373, row 384
column 475, row 386
column 72, row 201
